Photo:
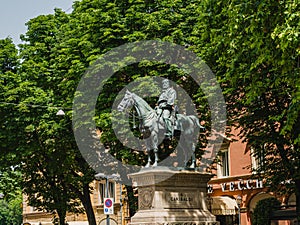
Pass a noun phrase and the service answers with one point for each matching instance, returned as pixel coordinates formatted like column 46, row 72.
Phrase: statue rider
column 165, row 108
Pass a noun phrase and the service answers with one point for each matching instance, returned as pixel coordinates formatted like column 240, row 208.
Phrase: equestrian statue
column 164, row 117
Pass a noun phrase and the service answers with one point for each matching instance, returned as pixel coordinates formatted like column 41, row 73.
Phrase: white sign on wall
column 238, row 185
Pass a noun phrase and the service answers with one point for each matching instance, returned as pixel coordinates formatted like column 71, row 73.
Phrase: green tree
column 11, row 211
column 253, row 47
column 55, row 175
column 96, row 27
column 9, row 62
column 11, row 196
column 10, row 183
column 263, row 210
column 56, row 52
column 104, row 25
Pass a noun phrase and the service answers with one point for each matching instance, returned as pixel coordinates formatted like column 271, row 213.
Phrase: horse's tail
column 196, row 122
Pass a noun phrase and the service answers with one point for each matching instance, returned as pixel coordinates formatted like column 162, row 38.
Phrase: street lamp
column 60, row 113
column 239, row 202
column 100, row 176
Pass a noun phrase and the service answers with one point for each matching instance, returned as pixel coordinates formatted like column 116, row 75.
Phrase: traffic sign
column 108, row 206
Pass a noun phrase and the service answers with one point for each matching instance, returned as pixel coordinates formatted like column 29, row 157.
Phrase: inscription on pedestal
column 180, row 200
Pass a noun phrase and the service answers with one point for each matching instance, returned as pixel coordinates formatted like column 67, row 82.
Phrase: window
column 102, row 191
column 111, row 190
column 257, row 158
column 223, row 165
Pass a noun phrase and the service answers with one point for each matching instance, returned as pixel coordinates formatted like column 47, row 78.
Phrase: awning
column 284, row 214
column 223, row 205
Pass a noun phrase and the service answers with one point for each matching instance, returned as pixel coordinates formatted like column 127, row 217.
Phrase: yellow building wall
column 120, row 216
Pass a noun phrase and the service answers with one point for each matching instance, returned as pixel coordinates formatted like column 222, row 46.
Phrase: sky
column 15, row 13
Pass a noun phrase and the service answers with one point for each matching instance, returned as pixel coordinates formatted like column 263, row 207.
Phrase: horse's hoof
column 155, row 164
column 147, row 165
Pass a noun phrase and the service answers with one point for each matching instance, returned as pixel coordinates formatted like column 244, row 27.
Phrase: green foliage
column 8, row 56
column 53, row 170
column 11, row 197
column 263, row 209
column 8, row 96
column 253, row 65
column 256, row 58
column 253, row 48
column 10, row 183
column 56, row 52
column 11, row 211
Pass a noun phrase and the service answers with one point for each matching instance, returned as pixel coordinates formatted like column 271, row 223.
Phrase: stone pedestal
column 169, row 197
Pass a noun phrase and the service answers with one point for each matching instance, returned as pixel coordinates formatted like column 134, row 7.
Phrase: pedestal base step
column 178, row 223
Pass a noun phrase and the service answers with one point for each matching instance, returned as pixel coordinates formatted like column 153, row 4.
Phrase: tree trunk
column 86, row 201
column 297, row 193
column 132, row 201
column 62, row 217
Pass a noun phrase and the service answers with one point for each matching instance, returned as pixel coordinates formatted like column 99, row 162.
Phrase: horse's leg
column 155, row 144
column 186, row 157
column 156, row 156
column 186, row 150
column 193, row 162
column 149, row 160
column 189, row 152
column 148, row 147
column 193, row 156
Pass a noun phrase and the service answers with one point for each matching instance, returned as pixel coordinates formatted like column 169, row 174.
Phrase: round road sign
column 108, row 203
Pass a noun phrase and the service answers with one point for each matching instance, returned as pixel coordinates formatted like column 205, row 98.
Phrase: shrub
column 263, row 209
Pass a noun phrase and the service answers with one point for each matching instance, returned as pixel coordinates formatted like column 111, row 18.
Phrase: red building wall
column 224, row 190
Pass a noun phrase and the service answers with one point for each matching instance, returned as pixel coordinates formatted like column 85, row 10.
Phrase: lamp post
column 239, row 202
column 121, row 204
column 114, row 177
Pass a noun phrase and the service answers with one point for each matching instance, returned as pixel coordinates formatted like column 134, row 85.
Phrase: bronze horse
column 189, row 127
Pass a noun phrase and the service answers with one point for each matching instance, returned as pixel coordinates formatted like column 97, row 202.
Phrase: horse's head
column 126, row 102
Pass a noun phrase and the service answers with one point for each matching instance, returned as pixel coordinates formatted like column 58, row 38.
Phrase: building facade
column 115, row 190
column 233, row 193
